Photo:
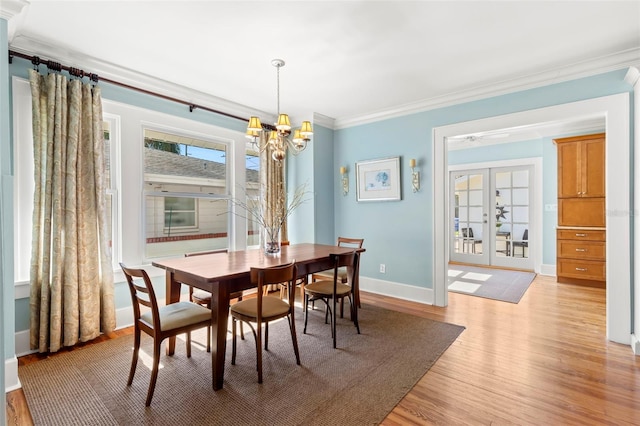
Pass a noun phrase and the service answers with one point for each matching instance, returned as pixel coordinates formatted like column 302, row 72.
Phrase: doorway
column 615, row 109
column 490, row 216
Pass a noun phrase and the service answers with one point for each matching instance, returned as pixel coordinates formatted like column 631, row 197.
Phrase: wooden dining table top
column 227, row 266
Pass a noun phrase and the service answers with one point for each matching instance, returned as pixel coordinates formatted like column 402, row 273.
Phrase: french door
column 490, row 216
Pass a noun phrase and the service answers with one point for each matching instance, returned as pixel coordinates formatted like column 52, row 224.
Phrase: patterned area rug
column 358, row 383
column 497, row 284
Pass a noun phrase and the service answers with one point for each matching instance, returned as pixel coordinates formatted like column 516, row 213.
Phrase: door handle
column 581, row 269
column 581, row 250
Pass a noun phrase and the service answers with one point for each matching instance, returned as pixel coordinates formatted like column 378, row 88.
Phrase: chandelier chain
column 278, row 87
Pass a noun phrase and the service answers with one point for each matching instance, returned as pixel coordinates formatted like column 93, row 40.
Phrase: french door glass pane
column 468, row 213
column 512, row 212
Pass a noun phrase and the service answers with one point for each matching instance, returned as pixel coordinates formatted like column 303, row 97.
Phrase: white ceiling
column 347, row 60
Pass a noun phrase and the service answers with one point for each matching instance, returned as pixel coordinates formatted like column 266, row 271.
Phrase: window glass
column 187, row 196
column 252, row 161
column 111, row 191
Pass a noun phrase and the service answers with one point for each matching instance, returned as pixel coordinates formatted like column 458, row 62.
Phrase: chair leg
column 354, row 313
column 233, row 341
column 333, row 320
column 266, row 336
column 306, row 313
column 188, row 344
column 259, row 351
column 294, row 339
column 208, row 339
column 241, row 328
column 154, row 371
column 134, row 359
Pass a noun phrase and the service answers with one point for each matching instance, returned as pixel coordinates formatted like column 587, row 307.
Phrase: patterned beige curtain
column 71, row 272
column 272, row 180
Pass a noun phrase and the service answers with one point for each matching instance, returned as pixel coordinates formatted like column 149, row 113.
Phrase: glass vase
column 271, row 241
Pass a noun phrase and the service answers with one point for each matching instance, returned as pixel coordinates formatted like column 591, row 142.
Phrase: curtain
column 272, row 181
column 72, row 292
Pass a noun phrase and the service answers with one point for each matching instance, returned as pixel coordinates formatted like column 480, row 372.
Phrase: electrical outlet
column 383, row 268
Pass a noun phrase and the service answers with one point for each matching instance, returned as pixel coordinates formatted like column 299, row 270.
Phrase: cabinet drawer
column 581, row 212
column 592, row 250
column 582, row 269
column 581, row 234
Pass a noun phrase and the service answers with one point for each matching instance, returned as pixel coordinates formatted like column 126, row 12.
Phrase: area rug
column 490, row 283
column 360, row 382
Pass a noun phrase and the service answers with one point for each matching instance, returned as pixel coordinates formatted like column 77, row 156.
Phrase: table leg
column 355, row 286
column 219, row 324
column 172, row 296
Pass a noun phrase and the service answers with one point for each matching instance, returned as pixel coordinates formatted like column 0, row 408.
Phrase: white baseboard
column 635, row 344
column 22, row 342
column 11, row 380
column 549, row 270
column 124, row 317
column 399, row 291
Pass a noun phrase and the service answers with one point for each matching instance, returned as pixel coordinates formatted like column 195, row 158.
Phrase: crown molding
column 633, row 75
column 600, row 65
column 323, row 120
column 11, row 8
column 132, row 78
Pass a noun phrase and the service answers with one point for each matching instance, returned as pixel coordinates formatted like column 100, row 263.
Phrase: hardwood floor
column 544, row 361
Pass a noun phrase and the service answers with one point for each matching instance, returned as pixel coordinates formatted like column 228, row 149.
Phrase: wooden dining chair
column 263, row 309
column 159, row 322
column 203, row 297
column 342, row 273
column 334, row 289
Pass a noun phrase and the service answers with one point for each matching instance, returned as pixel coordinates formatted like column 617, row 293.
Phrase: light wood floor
column 544, row 361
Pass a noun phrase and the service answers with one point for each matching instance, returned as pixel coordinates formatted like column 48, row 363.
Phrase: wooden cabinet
column 581, row 234
column 581, row 256
column 581, row 166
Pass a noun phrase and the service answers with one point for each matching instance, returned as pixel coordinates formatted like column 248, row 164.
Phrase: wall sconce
column 415, row 175
column 345, row 180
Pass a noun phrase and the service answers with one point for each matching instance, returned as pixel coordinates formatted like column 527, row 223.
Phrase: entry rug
column 360, row 382
column 490, row 283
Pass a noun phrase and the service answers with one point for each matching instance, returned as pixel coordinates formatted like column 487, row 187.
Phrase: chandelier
column 279, row 139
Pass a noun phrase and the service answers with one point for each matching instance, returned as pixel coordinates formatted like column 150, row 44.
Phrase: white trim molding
column 397, row 290
column 635, row 344
column 11, row 380
column 11, row 8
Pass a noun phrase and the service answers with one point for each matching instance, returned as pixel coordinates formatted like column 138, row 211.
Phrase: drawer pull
column 581, row 250
column 581, row 269
column 581, row 235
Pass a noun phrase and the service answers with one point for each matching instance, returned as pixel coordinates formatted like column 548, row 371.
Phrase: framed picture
column 378, row 180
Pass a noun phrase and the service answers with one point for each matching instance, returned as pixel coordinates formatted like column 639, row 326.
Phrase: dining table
column 225, row 273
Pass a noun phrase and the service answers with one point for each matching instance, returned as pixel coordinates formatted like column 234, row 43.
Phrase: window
column 186, row 193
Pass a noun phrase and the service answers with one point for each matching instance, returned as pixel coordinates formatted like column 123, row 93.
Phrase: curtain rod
column 76, row 72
